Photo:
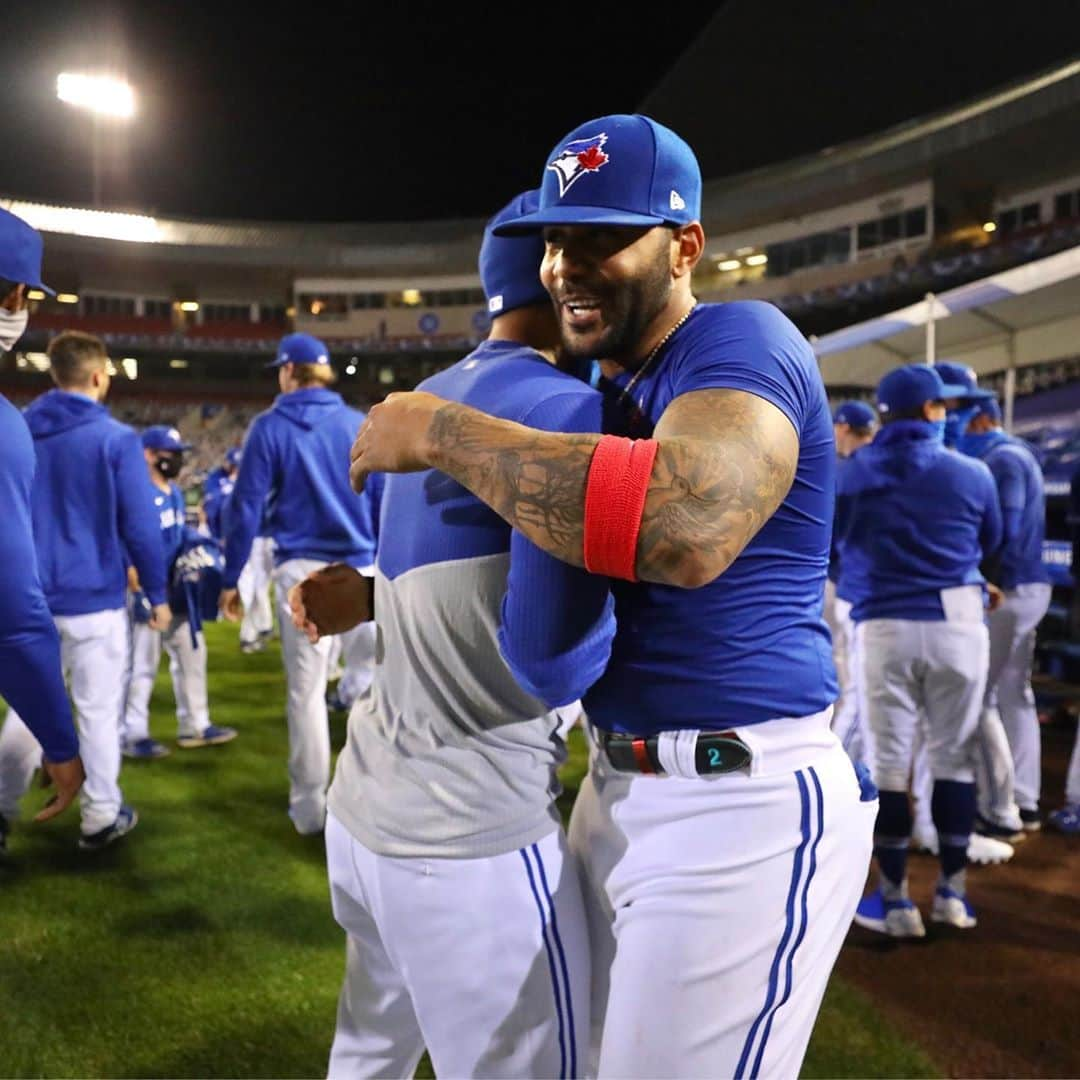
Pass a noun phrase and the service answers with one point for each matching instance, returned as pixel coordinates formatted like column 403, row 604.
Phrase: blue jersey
column 1023, row 509
column 217, row 487
column 752, row 645
column 295, row 470
column 913, row 518
column 93, row 507
column 30, row 674
column 171, row 512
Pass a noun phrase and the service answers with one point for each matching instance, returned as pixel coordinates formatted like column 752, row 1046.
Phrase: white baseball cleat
column 987, row 851
column 953, row 909
column 897, row 918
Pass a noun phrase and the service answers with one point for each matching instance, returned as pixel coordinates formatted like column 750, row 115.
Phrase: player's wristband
column 614, row 500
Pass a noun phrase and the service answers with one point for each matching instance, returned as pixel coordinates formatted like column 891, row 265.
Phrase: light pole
column 105, row 97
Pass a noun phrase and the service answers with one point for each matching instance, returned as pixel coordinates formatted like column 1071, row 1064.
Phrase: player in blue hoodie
column 90, row 502
column 296, row 456
column 914, row 521
column 31, row 679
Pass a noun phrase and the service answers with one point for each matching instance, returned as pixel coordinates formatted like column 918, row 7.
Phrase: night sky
column 398, row 111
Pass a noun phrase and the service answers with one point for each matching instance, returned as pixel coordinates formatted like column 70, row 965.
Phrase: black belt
column 715, row 752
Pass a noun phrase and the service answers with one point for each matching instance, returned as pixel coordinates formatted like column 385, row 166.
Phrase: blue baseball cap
column 163, row 437
column 856, row 414
column 510, row 265
column 963, row 376
column 906, row 389
column 989, row 407
column 616, row 170
column 20, row 252
column 233, row 455
column 300, row 349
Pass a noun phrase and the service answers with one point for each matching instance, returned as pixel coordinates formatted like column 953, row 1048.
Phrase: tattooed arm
column 726, row 459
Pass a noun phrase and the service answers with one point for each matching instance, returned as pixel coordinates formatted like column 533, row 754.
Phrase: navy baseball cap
column 163, row 437
column 857, row 414
column 232, row 455
column 300, row 349
column 964, row 376
column 20, row 252
column 616, row 170
column 906, row 389
column 510, row 265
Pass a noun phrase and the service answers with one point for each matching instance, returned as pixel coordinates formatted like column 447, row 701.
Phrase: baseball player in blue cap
column 217, row 487
column 446, row 786
column 293, row 456
column 725, row 833
column 31, row 678
column 914, row 522
column 92, row 510
column 185, row 645
column 854, row 425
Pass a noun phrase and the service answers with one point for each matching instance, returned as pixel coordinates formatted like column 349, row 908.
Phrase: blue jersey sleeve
column 558, row 621
column 139, row 521
column 1011, row 483
column 754, row 348
column 991, row 532
column 243, row 513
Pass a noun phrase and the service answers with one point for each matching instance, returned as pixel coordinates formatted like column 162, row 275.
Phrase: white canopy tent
column 1027, row 315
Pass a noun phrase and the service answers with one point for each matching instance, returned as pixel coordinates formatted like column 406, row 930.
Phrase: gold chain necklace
column 628, row 389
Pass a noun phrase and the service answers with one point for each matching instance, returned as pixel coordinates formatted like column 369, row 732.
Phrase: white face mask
column 12, row 327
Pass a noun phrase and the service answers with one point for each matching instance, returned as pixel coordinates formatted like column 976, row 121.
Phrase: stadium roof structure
column 1027, row 315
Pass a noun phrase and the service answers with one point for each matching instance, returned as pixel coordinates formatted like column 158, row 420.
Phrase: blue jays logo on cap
column 578, row 158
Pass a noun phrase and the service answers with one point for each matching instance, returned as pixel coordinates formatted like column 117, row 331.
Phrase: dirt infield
column 1001, row 1000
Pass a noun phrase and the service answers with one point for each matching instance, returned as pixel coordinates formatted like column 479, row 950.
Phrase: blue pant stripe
column 774, row 972
column 820, row 801
column 562, row 960
column 551, row 963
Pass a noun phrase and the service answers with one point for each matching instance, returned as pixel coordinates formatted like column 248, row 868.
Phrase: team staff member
column 723, row 829
column 914, row 522
column 164, row 450
column 854, row 424
column 293, row 455
column 91, row 501
column 1018, row 570
column 446, row 786
column 31, row 679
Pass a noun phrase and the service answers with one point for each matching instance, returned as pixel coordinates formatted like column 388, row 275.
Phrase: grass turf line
column 203, row 944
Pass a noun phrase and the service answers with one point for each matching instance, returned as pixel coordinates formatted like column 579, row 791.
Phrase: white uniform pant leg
column 732, row 896
column 245, row 586
column 1072, row 779
column 187, row 667
column 94, row 652
column 1010, row 680
column 20, row 755
column 145, row 655
column 995, row 774
column 306, row 668
column 262, row 612
column 493, row 995
column 922, row 782
column 844, row 718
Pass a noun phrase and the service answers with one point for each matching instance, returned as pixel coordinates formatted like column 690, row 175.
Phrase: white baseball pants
column 849, row 713
column 187, row 669
column 254, row 588
column 93, row 653
column 720, row 903
column 1072, row 779
column 1008, row 686
column 483, row 961
column 306, row 674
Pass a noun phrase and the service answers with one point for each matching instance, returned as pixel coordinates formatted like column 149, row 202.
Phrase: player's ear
column 688, row 245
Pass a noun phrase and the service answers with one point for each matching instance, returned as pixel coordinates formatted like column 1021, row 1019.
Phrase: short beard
column 633, row 307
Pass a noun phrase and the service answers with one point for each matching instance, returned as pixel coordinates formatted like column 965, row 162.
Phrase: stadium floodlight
column 189, row 305
column 989, row 226
column 729, row 264
column 757, row 260
column 103, row 95
column 66, row 298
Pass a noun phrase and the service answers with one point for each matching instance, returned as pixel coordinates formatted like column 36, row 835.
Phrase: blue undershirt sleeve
column 244, row 511
column 558, row 620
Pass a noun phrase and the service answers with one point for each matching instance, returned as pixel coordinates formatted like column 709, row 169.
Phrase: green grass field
column 203, row 944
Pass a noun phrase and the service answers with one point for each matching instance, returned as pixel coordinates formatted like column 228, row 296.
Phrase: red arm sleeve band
column 614, row 500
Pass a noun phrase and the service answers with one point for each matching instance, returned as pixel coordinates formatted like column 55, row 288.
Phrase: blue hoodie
column 31, row 680
column 296, row 455
column 92, row 500
column 913, row 518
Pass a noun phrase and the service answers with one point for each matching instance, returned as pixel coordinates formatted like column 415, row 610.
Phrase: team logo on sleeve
column 578, row 158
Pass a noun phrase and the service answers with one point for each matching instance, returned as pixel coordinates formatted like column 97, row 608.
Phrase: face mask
column 938, row 427
column 170, row 465
column 12, row 327
column 956, row 422
column 976, row 444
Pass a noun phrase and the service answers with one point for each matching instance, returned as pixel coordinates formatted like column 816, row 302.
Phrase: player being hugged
column 724, row 831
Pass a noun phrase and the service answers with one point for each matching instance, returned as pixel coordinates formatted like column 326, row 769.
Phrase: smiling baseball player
column 724, row 831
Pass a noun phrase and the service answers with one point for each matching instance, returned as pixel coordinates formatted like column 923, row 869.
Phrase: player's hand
column 331, row 601
column 68, row 776
column 230, row 605
column 394, row 437
column 994, row 598
column 161, row 617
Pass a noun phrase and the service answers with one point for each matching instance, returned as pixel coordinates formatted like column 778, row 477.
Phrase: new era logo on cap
column 495, row 304
column 578, row 158
column 676, row 202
